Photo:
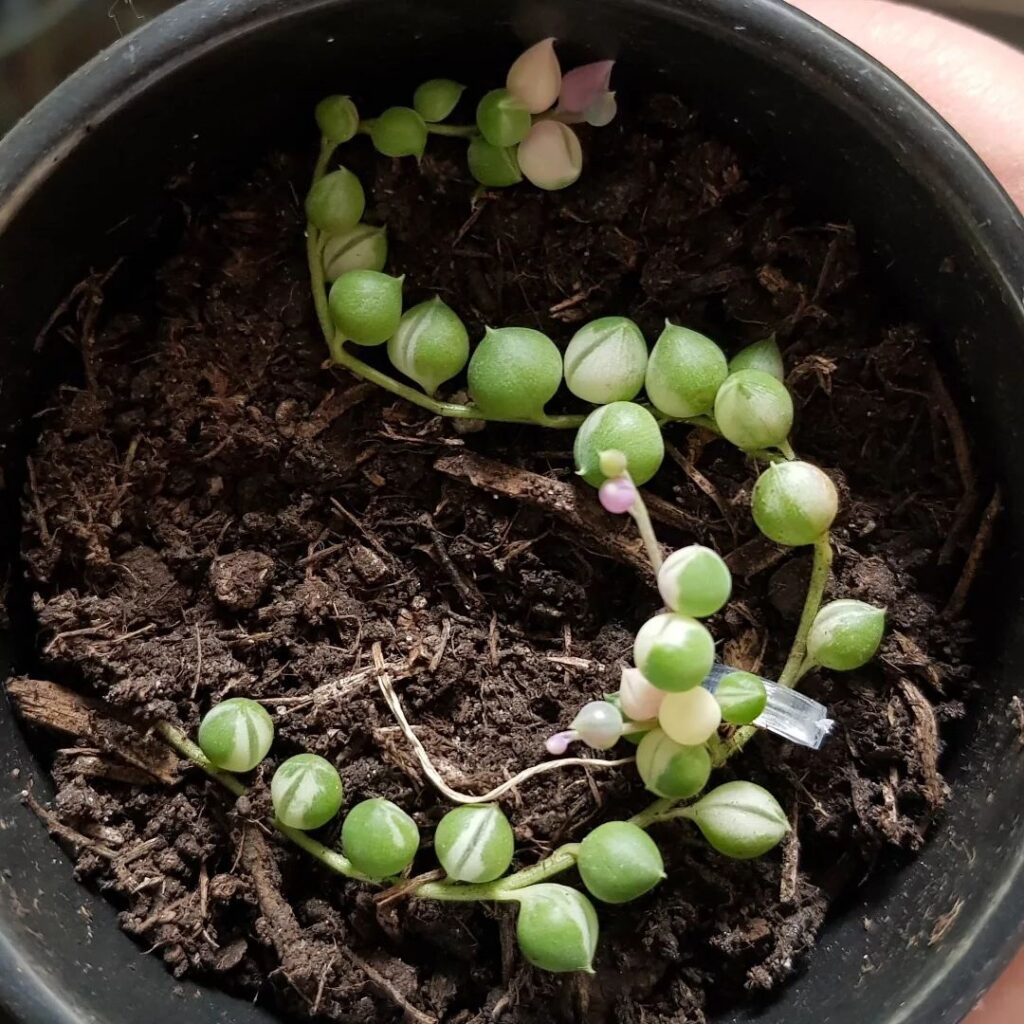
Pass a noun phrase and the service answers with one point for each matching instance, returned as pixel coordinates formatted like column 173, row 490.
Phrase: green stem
column 787, row 450
column 561, row 860
column 355, row 365
column 645, row 527
column 820, row 569
column 458, row 131
column 189, row 750
column 796, row 664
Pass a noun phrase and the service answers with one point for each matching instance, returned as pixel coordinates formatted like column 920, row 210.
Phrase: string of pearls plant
column 686, row 714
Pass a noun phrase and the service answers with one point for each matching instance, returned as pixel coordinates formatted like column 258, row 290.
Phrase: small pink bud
column 550, row 157
column 618, row 495
column 584, row 86
column 559, row 743
column 535, row 77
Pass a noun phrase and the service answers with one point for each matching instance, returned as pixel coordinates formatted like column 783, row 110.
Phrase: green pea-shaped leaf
column 366, row 306
column 365, row 247
column 337, row 118
column 336, row 202
column 684, row 373
column 557, row 928
column 236, row 734
column 740, row 820
column 379, row 838
column 754, row 410
column 431, row 344
column 493, row 166
column 794, row 503
column 845, row 635
column 620, row 427
column 502, row 119
column 762, row 355
column 695, row 581
column 514, row 373
column 399, row 131
column 671, row 770
column 306, row 791
column 474, row 843
column 619, row 862
column 436, row 99
column 606, row 361
column 742, row 697
column 673, row 652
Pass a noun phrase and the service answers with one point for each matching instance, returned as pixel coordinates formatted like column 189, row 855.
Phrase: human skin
column 977, row 84
column 973, row 80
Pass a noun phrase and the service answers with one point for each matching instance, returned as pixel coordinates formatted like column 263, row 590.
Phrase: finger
column 974, row 81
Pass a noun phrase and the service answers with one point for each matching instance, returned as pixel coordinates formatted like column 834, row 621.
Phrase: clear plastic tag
column 789, row 714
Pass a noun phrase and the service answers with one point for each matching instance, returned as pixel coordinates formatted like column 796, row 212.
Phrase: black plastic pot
column 215, row 81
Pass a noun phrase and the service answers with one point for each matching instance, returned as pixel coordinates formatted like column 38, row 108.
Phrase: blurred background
column 43, row 41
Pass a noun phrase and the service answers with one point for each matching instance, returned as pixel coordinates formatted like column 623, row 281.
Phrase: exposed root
column 395, row 706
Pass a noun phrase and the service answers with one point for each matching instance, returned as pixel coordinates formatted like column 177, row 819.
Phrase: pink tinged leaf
column 618, row 495
column 550, row 156
column 559, row 743
column 536, row 76
column 584, row 86
column 602, row 111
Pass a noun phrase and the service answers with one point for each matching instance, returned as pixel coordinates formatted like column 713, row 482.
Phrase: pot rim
column 898, row 117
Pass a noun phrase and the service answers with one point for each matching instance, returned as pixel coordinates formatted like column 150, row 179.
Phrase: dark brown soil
column 211, row 512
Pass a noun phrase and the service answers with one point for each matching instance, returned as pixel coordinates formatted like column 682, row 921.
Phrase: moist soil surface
column 210, row 512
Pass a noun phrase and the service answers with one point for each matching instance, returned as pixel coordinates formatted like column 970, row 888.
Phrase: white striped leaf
column 306, row 791
column 236, row 734
column 474, row 843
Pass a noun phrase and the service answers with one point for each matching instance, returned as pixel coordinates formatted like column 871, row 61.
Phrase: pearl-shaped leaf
column 695, row 581
column 761, row 355
column 740, row 820
column 236, row 734
column 514, row 372
column 379, row 838
column 337, row 118
column 622, row 427
column 306, row 791
column 845, row 635
column 474, row 843
column 684, row 373
column 557, row 929
column 493, row 166
column 754, row 410
column 691, row 717
column 794, row 503
column 435, row 99
column 674, row 652
column 366, row 306
column 399, row 131
column 638, row 699
column 336, row 202
column 598, row 724
column 535, row 77
column 605, row 361
column 618, row 862
column 365, row 247
column 742, row 697
column 550, row 156
column 671, row 770
column 431, row 344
